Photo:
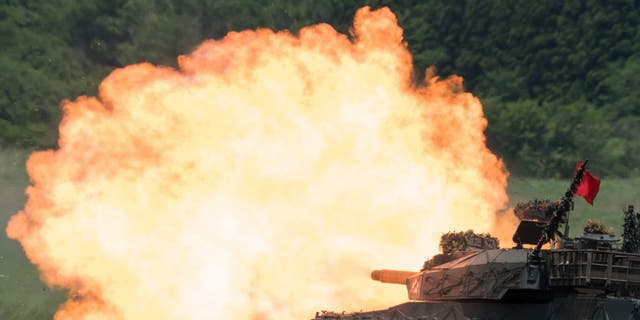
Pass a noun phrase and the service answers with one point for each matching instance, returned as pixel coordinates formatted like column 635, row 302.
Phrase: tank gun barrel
column 392, row 276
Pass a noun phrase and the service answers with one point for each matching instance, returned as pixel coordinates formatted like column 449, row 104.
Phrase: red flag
column 589, row 186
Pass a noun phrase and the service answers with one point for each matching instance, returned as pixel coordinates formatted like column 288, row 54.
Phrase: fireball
column 262, row 179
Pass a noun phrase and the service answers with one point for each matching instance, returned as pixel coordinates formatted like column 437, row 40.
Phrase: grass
column 24, row 296
column 12, row 167
column 614, row 196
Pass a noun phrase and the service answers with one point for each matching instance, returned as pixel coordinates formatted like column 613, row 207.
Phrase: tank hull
column 570, row 306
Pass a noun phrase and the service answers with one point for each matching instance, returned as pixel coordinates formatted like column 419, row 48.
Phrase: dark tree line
column 558, row 79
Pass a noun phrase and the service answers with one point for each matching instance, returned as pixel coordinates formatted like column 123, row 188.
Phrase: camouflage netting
column 541, row 210
column 593, row 226
column 465, row 240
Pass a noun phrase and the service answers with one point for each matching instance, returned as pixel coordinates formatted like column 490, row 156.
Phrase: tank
column 547, row 275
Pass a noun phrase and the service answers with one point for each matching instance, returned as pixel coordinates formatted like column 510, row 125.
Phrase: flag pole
column 561, row 214
column 566, row 226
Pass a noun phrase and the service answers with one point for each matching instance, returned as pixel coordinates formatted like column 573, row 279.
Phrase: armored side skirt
column 573, row 307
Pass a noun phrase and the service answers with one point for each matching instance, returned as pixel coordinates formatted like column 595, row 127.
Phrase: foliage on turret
column 540, row 210
column 595, row 226
column 451, row 242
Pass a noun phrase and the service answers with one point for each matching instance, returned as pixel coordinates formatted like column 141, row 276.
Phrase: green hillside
column 558, row 79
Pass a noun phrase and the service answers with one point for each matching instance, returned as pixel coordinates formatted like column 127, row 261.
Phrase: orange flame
column 264, row 179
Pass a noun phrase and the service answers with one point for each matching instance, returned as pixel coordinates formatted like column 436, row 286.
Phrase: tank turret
column 586, row 277
column 463, row 272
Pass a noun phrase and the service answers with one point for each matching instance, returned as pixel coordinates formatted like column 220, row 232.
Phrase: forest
column 558, row 79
